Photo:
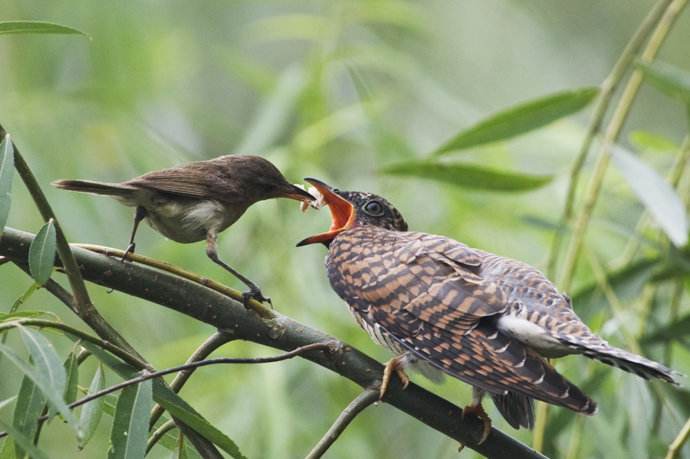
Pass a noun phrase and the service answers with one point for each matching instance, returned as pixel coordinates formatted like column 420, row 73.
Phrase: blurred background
column 335, row 90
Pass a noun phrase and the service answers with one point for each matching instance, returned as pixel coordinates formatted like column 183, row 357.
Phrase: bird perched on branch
column 487, row 320
column 197, row 200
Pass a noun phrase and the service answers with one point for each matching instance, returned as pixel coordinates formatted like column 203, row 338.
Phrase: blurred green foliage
column 340, row 90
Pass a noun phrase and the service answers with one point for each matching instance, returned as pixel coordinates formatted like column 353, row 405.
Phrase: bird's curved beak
column 342, row 214
column 296, row 193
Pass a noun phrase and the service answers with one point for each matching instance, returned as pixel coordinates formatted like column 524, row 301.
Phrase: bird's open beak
column 297, row 193
column 342, row 213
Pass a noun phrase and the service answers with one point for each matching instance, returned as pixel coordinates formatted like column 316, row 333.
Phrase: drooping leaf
column 171, row 401
column 43, row 378
column 71, row 366
column 131, row 422
column 42, row 27
column 652, row 142
column 658, row 197
column 679, row 328
column 6, row 174
column 667, row 78
column 45, row 358
column 520, row 119
column 92, row 412
column 42, row 253
column 468, row 175
column 24, row 442
column 30, row 403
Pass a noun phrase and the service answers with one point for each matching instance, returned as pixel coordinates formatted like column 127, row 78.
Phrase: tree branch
column 280, row 332
column 351, row 411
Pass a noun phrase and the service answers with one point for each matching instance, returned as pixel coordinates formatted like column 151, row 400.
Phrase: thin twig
column 187, row 366
column 215, row 341
column 356, row 406
column 159, row 433
column 679, row 441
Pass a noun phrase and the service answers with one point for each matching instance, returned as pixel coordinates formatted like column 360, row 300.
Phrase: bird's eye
column 373, row 208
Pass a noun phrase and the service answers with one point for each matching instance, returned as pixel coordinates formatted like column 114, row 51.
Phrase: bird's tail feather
column 89, row 186
column 516, row 408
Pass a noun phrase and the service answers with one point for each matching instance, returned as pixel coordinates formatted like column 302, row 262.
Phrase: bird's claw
column 478, row 412
column 130, row 249
column 393, row 365
column 254, row 294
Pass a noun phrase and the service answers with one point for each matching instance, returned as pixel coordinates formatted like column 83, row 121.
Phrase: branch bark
column 279, row 332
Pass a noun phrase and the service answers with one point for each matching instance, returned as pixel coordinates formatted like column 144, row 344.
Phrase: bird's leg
column 396, row 365
column 212, row 252
column 476, row 409
column 139, row 215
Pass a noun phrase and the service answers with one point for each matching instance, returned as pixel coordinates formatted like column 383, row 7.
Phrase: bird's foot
column 130, row 249
column 393, row 365
column 254, row 293
column 478, row 412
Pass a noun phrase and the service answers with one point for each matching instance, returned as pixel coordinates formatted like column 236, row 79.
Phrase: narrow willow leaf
column 30, row 403
column 41, row 379
column 45, row 358
column 130, row 425
column 6, row 174
column 24, row 27
column 42, row 253
column 171, row 401
column 92, row 412
column 520, row 119
column 468, row 175
column 21, row 315
column 667, row 78
column 23, row 441
column 652, row 142
column 658, row 197
column 71, row 366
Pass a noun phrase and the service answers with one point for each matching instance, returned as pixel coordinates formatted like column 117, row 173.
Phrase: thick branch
column 279, row 332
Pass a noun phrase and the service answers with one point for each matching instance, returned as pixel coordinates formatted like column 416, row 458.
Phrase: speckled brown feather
column 427, row 294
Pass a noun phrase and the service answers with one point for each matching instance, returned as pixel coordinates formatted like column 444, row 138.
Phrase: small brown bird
column 197, row 200
column 487, row 320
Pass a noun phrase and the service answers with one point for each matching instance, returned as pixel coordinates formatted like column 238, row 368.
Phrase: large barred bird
column 487, row 320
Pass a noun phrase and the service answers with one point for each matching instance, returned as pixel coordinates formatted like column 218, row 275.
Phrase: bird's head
column 350, row 209
column 260, row 179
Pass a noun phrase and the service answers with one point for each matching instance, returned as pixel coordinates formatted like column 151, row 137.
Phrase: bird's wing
column 425, row 292
column 209, row 179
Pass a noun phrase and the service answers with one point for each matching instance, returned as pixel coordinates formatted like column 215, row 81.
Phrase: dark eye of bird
column 373, row 208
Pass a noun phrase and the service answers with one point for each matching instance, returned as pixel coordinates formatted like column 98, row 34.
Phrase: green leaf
column 71, row 366
column 21, row 440
column 171, row 401
column 45, row 358
column 42, row 378
column 21, row 315
column 24, row 27
column 131, row 423
column 6, row 174
column 677, row 329
column 652, row 142
column 42, row 253
column 657, row 195
column 668, row 79
column 91, row 412
column 30, row 403
column 468, row 175
column 520, row 119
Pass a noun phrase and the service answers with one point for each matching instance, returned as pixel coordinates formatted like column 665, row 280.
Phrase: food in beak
column 342, row 213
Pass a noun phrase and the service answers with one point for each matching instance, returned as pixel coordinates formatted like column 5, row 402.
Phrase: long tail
column 599, row 349
column 516, row 408
column 89, row 186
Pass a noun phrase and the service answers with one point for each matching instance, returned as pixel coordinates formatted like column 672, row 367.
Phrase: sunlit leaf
column 671, row 80
column 42, row 253
column 658, row 197
column 6, row 174
column 24, row 442
column 30, row 403
column 41, row 27
column 43, row 378
column 130, row 424
column 92, row 412
column 468, row 175
column 649, row 141
column 520, row 119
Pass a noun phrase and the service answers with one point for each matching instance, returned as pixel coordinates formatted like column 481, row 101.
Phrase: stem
column 159, row 433
column 612, row 132
column 679, row 441
column 356, row 406
column 207, row 347
column 608, row 88
column 224, row 360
